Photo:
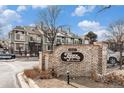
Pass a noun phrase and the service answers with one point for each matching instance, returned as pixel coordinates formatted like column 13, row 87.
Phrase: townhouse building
column 62, row 37
column 24, row 39
column 27, row 39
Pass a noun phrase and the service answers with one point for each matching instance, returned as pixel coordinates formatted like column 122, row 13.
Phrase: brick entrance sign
column 79, row 60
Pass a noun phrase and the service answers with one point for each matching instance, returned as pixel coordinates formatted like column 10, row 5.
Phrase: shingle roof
column 28, row 29
column 33, row 30
column 69, row 34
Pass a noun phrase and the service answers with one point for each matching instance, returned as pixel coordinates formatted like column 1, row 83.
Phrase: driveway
column 9, row 69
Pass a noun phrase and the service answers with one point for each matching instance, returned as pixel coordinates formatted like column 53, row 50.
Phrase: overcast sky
column 80, row 18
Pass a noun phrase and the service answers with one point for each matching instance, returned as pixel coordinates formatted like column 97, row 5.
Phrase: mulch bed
column 86, row 81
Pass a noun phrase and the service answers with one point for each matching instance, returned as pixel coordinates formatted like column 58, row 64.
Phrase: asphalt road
column 9, row 69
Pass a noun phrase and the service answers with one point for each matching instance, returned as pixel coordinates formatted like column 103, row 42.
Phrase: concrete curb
column 78, row 86
column 26, row 82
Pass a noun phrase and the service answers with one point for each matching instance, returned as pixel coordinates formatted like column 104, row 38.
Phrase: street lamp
column 68, row 77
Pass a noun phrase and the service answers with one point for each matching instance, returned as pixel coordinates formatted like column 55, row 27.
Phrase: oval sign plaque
column 72, row 56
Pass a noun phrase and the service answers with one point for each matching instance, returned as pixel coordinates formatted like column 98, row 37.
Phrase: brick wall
column 94, row 56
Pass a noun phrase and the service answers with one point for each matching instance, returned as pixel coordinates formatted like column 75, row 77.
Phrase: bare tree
column 48, row 23
column 116, row 36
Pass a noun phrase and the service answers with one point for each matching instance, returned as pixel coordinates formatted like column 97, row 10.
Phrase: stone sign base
column 78, row 60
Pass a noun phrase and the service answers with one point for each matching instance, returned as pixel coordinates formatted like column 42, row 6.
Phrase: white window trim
column 20, row 37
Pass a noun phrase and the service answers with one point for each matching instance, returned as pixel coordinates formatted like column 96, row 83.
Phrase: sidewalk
column 55, row 83
column 27, row 59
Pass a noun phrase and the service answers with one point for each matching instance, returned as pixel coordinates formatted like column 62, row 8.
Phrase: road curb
column 25, row 82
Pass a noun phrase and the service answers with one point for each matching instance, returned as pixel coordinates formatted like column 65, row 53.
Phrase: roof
column 33, row 30
column 67, row 34
column 28, row 29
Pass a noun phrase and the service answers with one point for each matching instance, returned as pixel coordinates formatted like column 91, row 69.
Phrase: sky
column 81, row 19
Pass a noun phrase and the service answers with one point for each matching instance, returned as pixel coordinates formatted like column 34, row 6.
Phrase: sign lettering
column 72, row 56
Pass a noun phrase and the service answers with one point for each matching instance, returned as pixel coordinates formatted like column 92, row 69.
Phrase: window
column 67, row 41
column 72, row 40
column 19, row 46
column 46, row 39
column 58, row 40
column 22, row 37
column 31, row 39
column 49, row 47
column 63, row 40
column 18, row 36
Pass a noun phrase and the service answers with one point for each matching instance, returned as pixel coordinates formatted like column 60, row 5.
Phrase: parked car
column 113, row 57
column 7, row 55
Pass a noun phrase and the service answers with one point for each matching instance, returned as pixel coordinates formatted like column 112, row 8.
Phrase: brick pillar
column 103, row 53
column 104, row 58
column 46, row 61
column 40, row 60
